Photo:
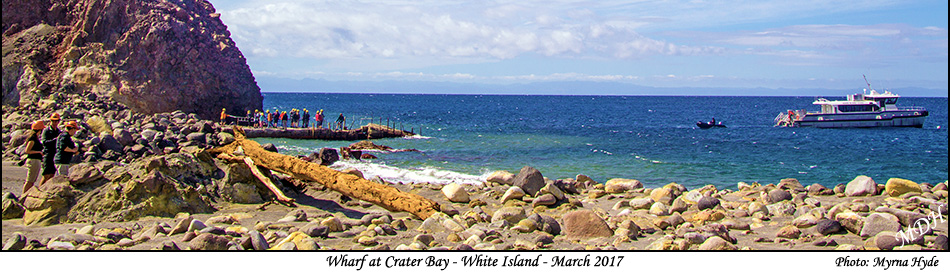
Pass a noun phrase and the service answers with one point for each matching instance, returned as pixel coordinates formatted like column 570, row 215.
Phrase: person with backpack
column 48, row 137
column 66, row 148
column 306, row 118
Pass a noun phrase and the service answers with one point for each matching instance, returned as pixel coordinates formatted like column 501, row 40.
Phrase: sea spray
column 389, row 173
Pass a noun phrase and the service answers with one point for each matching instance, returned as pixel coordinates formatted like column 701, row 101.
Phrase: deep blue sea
column 650, row 138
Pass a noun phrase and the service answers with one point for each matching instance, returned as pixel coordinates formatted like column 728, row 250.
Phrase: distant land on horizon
column 277, row 85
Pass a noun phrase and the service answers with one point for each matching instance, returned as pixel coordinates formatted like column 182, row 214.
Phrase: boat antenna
column 866, row 81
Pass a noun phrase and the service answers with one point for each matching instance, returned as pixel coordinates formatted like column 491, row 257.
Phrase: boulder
column 897, row 186
column 861, row 186
column 510, row 214
column 149, row 134
column 788, row 232
column 584, row 180
column 529, row 179
column 585, row 224
column 501, row 177
column 273, row 148
column 137, row 192
column 877, row 222
column 81, row 174
column 50, row 206
column 778, row 195
column 664, row 195
column 12, row 209
column 707, row 202
column 679, row 205
column 544, row 200
column 550, row 225
column 245, row 193
column 850, row 221
column 123, row 137
column 258, row 242
column 455, row 192
column 225, row 138
column 327, row 156
column 552, row 189
column 196, row 137
column 716, row 243
column 641, row 203
column 828, row 226
column 790, row 184
column 513, row 193
column 208, row 241
column 16, row 242
column 659, row 209
column 109, row 143
column 618, row 185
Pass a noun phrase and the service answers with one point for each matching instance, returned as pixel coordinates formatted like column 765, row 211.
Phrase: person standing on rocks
column 283, row 118
column 293, row 118
column 306, row 118
column 224, row 116
column 319, row 118
column 268, row 121
column 49, row 147
column 341, row 122
column 65, row 148
column 34, row 154
column 261, row 119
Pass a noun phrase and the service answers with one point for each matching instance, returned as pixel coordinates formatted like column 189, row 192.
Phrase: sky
column 713, row 44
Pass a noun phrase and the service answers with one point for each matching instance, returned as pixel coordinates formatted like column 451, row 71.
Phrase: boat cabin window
column 855, row 108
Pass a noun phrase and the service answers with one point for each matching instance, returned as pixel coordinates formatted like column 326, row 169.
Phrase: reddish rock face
column 151, row 56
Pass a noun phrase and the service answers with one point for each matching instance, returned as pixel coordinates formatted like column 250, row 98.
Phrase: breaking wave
column 394, row 174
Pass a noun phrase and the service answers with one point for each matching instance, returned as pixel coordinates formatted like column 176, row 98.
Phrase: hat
column 72, row 125
column 38, row 125
column 54, row 116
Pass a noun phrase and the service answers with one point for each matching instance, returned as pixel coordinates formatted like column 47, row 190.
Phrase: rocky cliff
column 152, row 56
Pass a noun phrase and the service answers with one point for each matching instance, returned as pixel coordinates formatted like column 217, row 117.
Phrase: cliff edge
column 152, row 56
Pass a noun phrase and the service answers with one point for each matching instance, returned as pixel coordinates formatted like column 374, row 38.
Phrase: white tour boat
column 859, row 110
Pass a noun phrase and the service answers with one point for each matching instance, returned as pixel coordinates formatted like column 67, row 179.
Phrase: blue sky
column 728, row 44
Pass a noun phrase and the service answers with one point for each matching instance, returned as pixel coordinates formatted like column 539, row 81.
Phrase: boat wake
column 407, row 175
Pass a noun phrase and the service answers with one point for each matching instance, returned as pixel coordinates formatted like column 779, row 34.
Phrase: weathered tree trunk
column 355, row 187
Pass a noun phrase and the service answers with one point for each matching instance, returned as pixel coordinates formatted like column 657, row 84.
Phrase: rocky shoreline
column 145, row 182
column 176, row 198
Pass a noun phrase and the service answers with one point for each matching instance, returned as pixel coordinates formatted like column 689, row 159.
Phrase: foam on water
column 406, row 175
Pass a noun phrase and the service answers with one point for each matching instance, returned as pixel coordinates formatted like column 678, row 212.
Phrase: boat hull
column 913, row 118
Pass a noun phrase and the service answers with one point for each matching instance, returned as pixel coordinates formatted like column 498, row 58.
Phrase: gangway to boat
column 789, row 118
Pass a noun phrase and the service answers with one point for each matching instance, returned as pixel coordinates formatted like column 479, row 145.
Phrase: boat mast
column 866, row 81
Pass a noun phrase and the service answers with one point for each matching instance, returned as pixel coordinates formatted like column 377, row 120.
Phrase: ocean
column 653, row 139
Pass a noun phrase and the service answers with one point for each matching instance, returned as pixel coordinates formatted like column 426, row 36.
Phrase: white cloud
column 373, row 30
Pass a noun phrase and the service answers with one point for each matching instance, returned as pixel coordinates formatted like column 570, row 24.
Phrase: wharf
column 369, row 131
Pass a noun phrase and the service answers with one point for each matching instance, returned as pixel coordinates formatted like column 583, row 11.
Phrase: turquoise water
column 649, row 138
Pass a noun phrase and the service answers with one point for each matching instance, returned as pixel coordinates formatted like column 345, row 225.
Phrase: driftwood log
column 370, row 131
column 353, row 186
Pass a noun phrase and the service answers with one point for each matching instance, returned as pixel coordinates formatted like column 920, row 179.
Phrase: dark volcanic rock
column 530, row 180
column 152, row 56
column 778, row 195
column 707, row 202
column 326, row 157
column 269, row 147
column 827, row 227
